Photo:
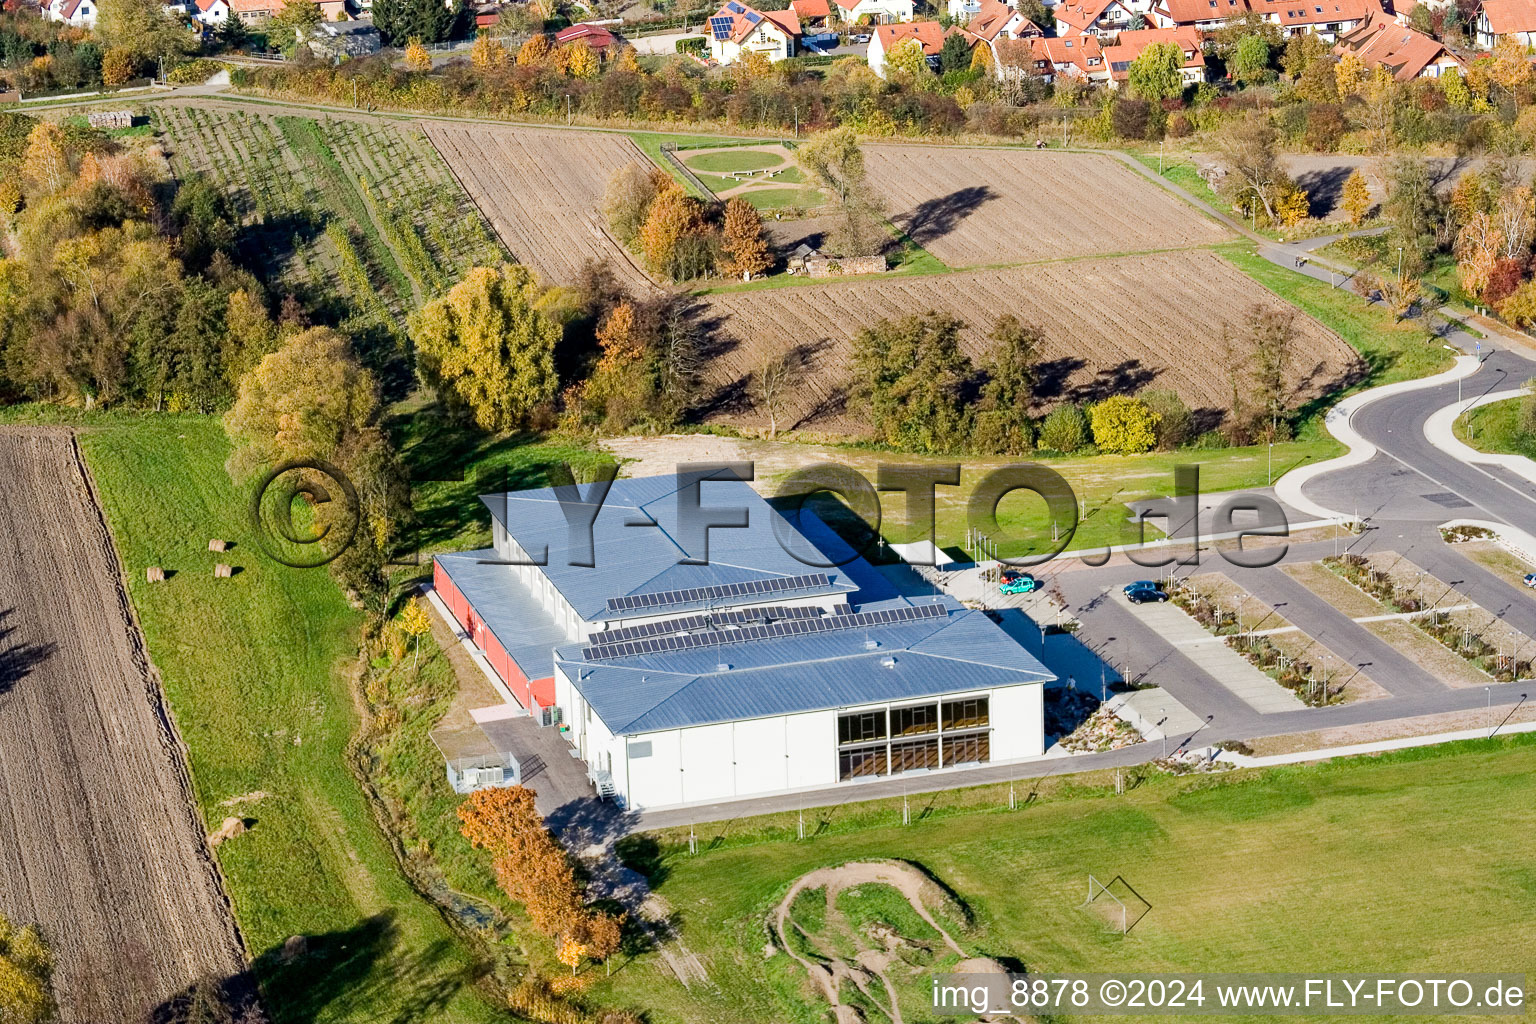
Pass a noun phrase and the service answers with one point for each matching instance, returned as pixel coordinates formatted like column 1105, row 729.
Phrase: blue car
column 1019, row 583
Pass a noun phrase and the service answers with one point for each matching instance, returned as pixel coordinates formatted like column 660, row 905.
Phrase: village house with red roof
column 929, row 35
column 874, row 12
column 1094, row 17
column 1205, row 15
column 595, row 36
column 1049, row 57
column 74, row 13
column 736, row 28
column 1382, row 42
column 1499, row 18
column 1130, row 44
column 814, row 15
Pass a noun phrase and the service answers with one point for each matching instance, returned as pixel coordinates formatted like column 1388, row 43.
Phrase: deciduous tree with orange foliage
column 533, row 869
column 672, row 228
column 745, row 251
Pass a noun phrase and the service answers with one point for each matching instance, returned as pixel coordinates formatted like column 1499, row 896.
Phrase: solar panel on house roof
column 753, row 17
column 720, row 27
column 665, row 598
column 791, row 627
column 734, row 7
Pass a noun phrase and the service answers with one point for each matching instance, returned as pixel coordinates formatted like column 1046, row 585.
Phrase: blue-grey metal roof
column 637, row 547
column 508, row 608
column 961, row 651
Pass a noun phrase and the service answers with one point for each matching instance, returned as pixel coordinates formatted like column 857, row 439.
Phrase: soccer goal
column 1106, row 903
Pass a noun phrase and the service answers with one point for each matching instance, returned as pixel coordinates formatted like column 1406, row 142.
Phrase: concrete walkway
column 1232, row 670
column 1376, row 747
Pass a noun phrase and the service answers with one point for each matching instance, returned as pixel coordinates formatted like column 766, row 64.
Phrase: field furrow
column 1111, row 326
column 99, row 842
column 985, row 207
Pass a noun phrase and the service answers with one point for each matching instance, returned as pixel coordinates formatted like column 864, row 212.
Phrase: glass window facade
column 913, row 737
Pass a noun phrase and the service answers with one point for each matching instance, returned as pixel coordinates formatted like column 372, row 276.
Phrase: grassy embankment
column 1274, row 870
column 1496, row 428
column 256, row 671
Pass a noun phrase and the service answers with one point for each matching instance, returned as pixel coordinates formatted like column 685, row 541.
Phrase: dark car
column 1143, row 591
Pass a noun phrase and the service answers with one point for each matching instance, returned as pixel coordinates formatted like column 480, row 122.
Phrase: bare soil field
column 1112, row 326
column 984, row 207
column 99, row 841
column 542, row 191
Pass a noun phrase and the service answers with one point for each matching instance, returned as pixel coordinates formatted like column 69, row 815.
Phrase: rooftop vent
column 870, row 645
column 722, row 667
column 888, row 662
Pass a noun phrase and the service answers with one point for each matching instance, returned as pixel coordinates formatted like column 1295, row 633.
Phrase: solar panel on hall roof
column 772, row 585
column 792, row 627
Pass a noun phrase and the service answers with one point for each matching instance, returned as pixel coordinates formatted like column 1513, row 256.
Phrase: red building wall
column 464, row 613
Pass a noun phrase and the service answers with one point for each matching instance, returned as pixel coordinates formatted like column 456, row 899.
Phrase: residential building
column 995, row 22
column 814, row 15
column 687, row 670
column 1205, row 15
column 929, row 35
column 254, row 12
column 874, row 12
column 74, row 13
column 595, row 36
column 1381, row 42
column 736, row 27
column 212, row 13
column 1327, row 19
column 344, row 40
column 1095, row 17
column 1129, row 45
column 1499, row 18
column 1046, row 57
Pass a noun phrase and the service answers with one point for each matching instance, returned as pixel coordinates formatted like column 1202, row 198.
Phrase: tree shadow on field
column 935, row 218
column 1052, row 375
column 1125, row 378
column 1325, row 188
column 18, row 659
column 341, row 974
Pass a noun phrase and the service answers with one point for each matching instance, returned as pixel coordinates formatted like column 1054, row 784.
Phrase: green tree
column 1123, row 425
column 907, row 63
column 142, row 28
column 1003, row 425
column 1065, row 430
column 956, row 54
column 1155, row 75
column 292, row 23
column 311, row 399
column 1249, row 61
column 26, row 970
column 911, row 377
column 1175, row 423
column 488, row 348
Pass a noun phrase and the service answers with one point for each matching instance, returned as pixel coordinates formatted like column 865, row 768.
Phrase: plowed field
column 99, row 842
column 1112, row 326
column 542, row 191
column 984, row 207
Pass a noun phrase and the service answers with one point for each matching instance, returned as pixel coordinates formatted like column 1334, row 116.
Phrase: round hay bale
column 222, row 571
column 217, row 545
column 154, row 574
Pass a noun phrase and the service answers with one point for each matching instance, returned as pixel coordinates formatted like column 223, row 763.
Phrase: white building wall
column 1017, row 714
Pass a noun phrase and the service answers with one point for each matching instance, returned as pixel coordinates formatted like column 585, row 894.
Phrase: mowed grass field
column 1409, row 861
column 254, row 668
